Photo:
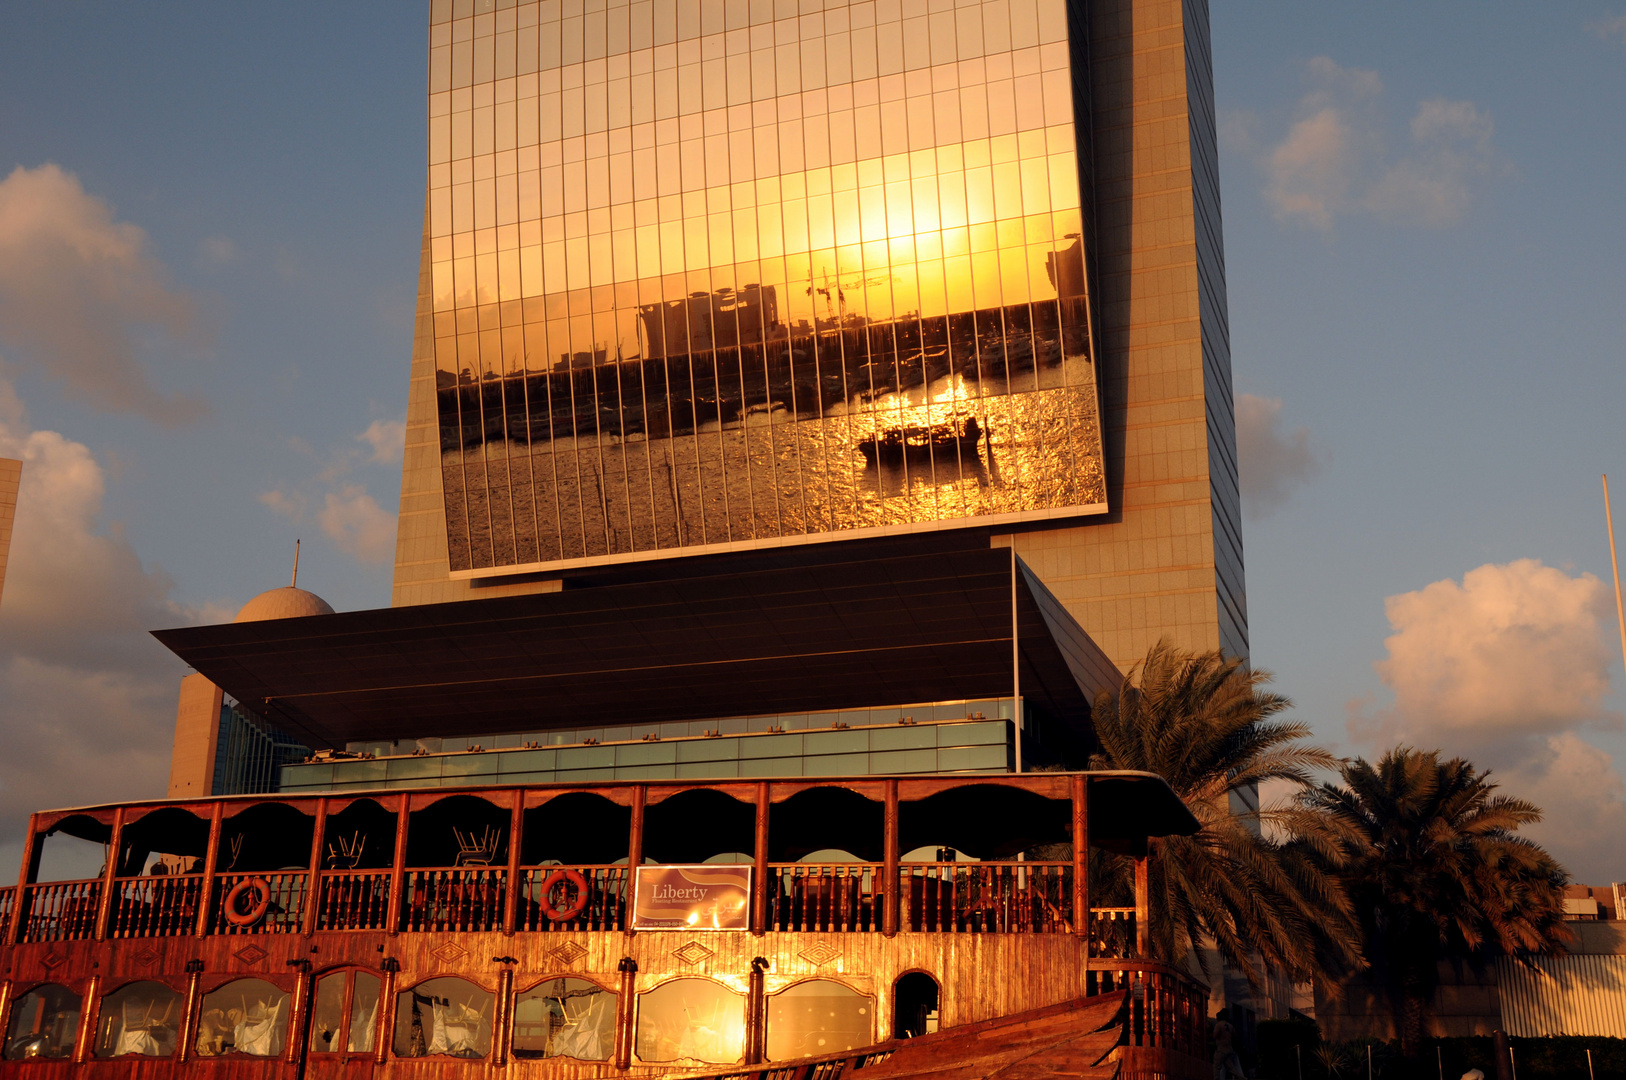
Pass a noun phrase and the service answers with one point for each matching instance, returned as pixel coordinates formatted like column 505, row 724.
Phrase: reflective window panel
column 705, row 276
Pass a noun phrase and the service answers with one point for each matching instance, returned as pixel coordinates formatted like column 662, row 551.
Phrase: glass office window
column 44, row 1024
column 817, row 1017
column 702, row 276
column 565, row 1018
column 245, row 1016
column 691, row 1019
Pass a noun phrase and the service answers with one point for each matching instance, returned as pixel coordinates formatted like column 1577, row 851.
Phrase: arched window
column 245, row 1016
column 446, row 1016
column 819, row 1016
column 141, row 1018
column 914, row 1005
column 565, row 1018
column 693, row 1019
column 344, row 1012
column 44, row 1023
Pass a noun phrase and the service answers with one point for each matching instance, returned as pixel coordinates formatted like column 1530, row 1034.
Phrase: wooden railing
column 8, row 899
column 469, row 899
column 61, row 911
column 159, row 906
column 1112, row 932
column 1166, row 1031
column 354, row 900
column 987, row 897
column 825, row 896
column 284, row 908
column 606, row 907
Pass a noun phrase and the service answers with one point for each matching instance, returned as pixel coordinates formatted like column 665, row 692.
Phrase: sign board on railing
column 709, row 897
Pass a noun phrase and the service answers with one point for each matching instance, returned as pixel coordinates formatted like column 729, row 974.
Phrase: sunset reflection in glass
column 702, row 275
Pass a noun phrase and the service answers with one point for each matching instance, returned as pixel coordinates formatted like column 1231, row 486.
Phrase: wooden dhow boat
column 778, row 929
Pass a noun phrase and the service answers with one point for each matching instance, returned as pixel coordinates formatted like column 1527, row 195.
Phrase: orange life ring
column 570, row 910
column 238, row 917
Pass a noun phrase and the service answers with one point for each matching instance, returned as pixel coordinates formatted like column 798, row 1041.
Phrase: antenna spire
column 294, row 584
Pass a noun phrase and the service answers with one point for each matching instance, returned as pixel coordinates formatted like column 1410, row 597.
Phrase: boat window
column 364, row 1013
column 142, row 1018
column 44, row 1022
column 245, row 1016
column 914, row 1005
column 565, row 1018
column 819, row 1016
column 327, row 1013
column 445, row 1016
column 693, row 1019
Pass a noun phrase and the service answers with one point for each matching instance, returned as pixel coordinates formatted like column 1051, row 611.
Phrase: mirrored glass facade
column 740, row 271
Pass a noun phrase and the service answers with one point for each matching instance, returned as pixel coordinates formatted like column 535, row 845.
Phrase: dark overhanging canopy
column 916, row 628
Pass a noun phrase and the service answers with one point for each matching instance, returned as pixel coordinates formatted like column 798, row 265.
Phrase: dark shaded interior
column 359, row 837
column 986, row 821
column 166, row 831
column 913, row 996
column 577, row 829
column 459, row 830
column 692, row 826
column 266, row 836
column 826, row 817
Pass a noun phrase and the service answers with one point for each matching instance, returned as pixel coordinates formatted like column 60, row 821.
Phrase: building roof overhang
column 916, row 628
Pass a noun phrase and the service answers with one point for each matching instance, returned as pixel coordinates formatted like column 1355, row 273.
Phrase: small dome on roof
column 284, row 603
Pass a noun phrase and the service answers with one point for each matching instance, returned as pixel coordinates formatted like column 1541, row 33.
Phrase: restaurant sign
column 709, row 897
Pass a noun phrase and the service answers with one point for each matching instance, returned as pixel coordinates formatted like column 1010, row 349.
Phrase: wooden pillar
column 313, row 877
column 759, row 887
column 90, row 1012
column 193, row 1006
column 756, row 1018
column 625, row 1012
column 505, row 1014
column 298, row 1024
column 211, row 855
column 31, row 860
column 398, row 868
column 635, row 853
column 1081, row 859
column 516, row 837
column 104, row 903
column 1143, row 905
column 5, row 1007
column 889, row 872
column 385, row 1032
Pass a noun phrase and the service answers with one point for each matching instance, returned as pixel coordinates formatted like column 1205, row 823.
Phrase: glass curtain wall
column 731, row 271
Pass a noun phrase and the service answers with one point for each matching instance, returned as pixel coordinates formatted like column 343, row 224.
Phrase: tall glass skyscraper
column 705, row 276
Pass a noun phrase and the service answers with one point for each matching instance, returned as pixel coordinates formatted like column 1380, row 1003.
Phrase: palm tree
column 1205, row 723
column 1430, row 858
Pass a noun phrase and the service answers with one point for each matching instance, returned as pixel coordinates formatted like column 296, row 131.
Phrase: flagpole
column 1614, row 563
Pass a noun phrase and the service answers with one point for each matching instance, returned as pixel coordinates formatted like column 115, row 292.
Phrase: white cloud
column 1273, row 462
column 79, row 291
column 357, row 525
column 1611, row 28
column 349, row 516
column 87, row 695
column 1335, row 161
column 387, row 439
column 218, row 250
column 1508, row 668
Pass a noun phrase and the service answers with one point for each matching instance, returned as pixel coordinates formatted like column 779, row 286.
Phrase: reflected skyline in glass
column 723, row 273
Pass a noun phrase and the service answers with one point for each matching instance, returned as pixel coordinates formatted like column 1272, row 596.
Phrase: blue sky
column 1423, row 229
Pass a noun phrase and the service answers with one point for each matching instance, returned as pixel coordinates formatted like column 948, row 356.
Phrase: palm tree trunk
column 1413, row 1003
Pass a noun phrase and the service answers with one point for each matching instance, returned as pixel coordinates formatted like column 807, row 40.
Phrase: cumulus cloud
column 1273, row 462
column 80, row 292
column 1612, row 28
column 1509, row 667
column 87, row 695
column 1335, row 159
column 357, row 525
column 387, row 438
column 348, row 515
